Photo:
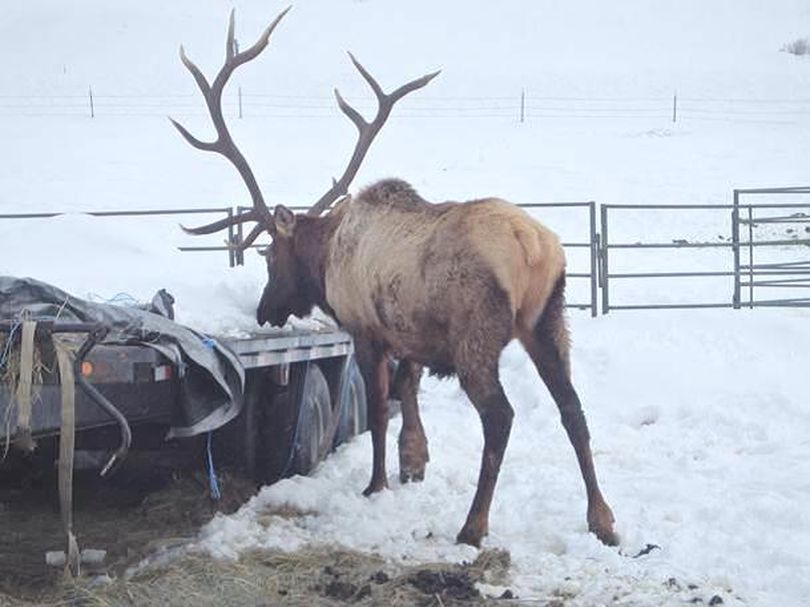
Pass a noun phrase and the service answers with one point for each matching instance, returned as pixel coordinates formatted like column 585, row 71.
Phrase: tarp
column 213, row 379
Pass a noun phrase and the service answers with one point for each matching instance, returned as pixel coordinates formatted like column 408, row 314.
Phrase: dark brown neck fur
column 311, row 247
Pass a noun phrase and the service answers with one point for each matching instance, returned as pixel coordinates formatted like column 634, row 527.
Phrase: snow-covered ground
column 699, row 427
column 699, row 419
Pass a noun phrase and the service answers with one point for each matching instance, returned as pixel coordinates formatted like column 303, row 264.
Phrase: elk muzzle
column 268, row 312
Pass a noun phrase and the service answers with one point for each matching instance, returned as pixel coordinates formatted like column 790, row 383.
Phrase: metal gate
column 764, row 260
column 772, row 256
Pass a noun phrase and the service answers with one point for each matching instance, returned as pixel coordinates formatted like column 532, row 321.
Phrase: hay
column 268, row 515
column 313, row 577
column 10, row 380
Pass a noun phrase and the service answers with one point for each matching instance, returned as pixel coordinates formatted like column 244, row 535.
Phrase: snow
column 700, row 445
column 699, row 419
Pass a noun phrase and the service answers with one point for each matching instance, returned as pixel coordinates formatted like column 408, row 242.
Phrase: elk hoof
column 374, row 487
column 413, row 457
column 607, row 536
column 406, row 476
column 600, row 523
column 471, row 536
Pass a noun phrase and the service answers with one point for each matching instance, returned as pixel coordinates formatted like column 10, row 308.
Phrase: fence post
column 604, row 268
column 675, row 107
column 92, row 106
column 750, row 257
column 240, row 236
column 522, row 105
column 594, row 256
column 735, row 246
column 231, row 254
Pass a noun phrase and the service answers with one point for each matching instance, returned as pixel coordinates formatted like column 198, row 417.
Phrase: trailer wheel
column 314, row 416
column 354, row 412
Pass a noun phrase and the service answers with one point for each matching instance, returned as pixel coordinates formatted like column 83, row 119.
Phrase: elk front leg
column 374, row 368
column 413, row 449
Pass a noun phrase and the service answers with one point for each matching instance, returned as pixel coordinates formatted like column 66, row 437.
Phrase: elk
column 445, row 286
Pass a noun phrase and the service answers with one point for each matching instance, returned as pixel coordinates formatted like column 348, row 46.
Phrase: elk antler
column 367, row 131
column 224, row 144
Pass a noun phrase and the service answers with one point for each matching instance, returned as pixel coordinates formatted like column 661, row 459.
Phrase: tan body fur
column 400, row 267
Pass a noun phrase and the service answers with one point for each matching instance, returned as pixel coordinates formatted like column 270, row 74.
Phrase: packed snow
column 699, row 418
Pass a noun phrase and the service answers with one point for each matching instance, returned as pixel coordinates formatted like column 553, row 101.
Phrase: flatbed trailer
column 303, row 395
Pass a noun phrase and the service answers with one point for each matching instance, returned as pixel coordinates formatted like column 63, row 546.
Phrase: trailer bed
column 276, row 347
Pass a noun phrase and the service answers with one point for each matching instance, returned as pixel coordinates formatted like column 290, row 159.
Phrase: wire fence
column 520, row 107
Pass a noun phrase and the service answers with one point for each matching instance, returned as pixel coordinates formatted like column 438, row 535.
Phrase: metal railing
column 771, row 275
column 748, row 271
column 607, row 275
column 743, row 269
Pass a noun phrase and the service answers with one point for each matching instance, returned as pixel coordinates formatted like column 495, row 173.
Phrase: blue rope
column 213, row 481
column 208, row 342
column 119, row 299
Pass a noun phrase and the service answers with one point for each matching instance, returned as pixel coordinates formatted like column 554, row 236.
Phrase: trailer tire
column 354, row 410
column 314, row 415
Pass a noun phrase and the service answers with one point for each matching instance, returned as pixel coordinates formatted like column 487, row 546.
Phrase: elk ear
column 284, row 219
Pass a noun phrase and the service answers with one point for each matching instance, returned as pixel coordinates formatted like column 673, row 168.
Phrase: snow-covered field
column 699, row 419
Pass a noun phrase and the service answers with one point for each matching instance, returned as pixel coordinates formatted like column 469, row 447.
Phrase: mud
column 150, row 503
column 157, row 503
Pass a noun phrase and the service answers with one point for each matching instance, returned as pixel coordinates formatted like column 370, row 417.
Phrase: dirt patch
column 148, row 505
column 153, row 505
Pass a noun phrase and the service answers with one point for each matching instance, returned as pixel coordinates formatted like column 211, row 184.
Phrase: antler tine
column 230, row 41
column 254, row 234
column 234, row 59
column 243, row 244
column 224, row 144
column 211, row 228
column 366, row 131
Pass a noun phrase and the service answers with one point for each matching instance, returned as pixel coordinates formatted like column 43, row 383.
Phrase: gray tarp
column 213, row 379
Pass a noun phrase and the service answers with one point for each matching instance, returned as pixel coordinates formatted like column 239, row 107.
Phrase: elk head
column 292, row 286
column 284, row 293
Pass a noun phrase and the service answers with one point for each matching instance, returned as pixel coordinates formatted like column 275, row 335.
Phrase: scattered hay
column 492, row 566
column 317, row 577
column 285, row 511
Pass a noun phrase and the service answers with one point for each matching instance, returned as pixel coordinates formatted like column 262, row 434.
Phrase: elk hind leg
column 374, row 369
column 413, row 448
column 486, row 393
column 547, row 343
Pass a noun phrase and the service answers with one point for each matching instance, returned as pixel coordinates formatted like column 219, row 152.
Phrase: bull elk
column 445, row 286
